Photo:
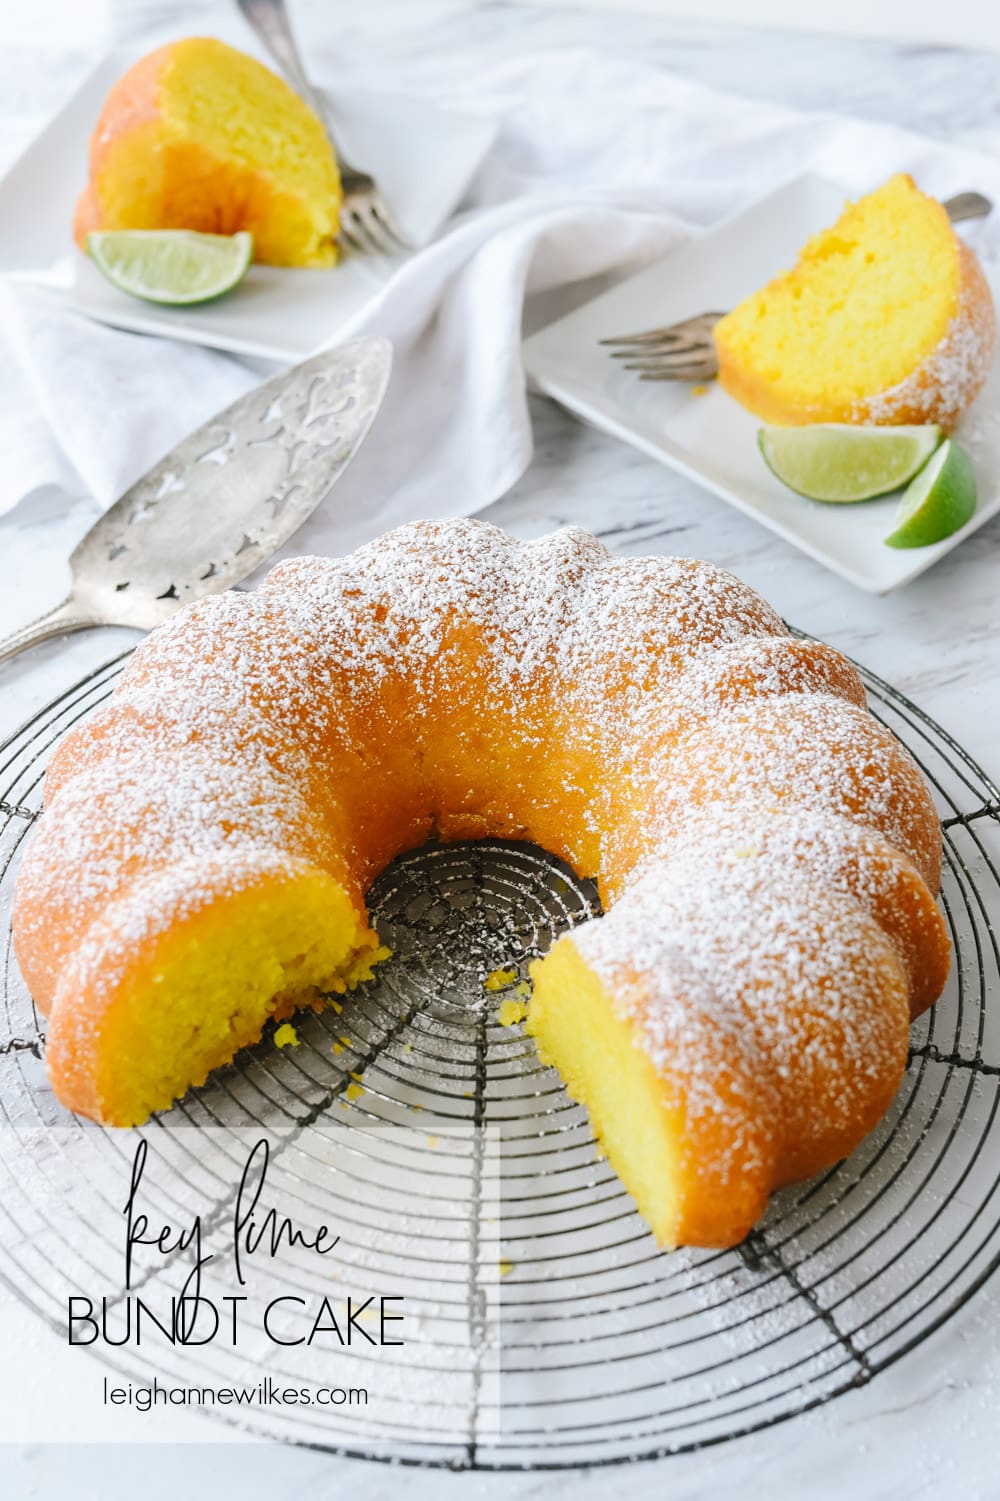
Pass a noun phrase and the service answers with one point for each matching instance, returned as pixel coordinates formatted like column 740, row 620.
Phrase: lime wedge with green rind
column 174, row 266
column 839, row 463
column 941, row 499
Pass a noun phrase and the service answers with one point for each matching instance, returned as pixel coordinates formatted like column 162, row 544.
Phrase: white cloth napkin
column 600, row 165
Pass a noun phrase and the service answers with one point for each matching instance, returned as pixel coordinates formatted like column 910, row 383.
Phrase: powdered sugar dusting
column 782, row 946
column 949, row 379
column 450, row 677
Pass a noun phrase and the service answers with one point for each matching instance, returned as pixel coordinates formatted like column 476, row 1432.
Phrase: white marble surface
column 926, row 1428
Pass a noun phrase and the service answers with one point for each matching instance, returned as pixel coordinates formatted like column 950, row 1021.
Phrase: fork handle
column 64, row 618
column 269, row 19
column 967, row 206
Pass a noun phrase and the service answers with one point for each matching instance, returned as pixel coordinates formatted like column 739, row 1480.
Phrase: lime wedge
column 177, row 266
column 834, row 461
column 938, row 502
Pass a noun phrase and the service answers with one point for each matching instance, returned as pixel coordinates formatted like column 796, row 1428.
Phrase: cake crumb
column 286, row 1036
column 499, row 979
column 511, row 1012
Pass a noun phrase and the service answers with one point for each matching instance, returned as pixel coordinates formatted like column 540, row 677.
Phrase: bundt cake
column 198, row 135
column 767, row 852
column 886, row 318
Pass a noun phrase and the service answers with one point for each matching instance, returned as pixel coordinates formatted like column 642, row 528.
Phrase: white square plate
column 711, row 437
column 423, row 158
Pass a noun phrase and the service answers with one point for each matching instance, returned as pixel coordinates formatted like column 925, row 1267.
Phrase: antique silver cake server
column 224, row 499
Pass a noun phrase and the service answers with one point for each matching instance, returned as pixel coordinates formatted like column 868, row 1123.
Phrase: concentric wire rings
column 603, row 1348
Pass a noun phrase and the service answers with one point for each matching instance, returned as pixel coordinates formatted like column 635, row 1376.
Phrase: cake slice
column 886, row 318
column 198, row 135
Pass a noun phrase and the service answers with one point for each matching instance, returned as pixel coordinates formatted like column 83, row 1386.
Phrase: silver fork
column 686, row 350
column 367, row 225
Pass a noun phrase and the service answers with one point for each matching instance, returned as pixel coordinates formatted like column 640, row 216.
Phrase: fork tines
column 678, row 351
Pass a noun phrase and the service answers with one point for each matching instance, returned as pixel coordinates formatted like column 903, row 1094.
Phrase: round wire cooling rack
column 559, row 1334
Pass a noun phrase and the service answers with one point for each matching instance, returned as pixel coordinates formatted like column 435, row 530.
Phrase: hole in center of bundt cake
column 464, row 920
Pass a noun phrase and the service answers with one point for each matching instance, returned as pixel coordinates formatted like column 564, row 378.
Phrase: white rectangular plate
column 710, row 437
column 423, row 158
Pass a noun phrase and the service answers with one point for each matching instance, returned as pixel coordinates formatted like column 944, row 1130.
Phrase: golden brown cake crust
column 131, row 102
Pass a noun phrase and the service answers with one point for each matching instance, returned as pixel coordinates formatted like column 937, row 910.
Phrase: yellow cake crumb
column 506, row 1267
column 361, row 968
column 198, row 135
column 499, row 979
column 511, row 1012
column 286, row 1036
column 842, row 336
column 364, row 969
column 353, row 1092
column 699, row 390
